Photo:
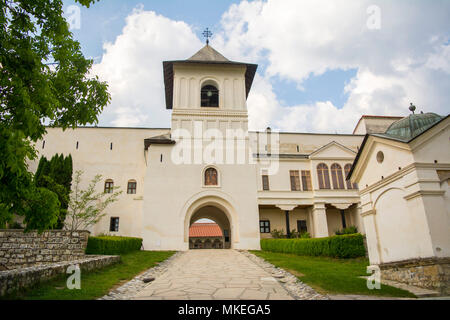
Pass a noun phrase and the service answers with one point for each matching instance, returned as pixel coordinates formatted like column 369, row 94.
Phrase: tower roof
column 404, row 130
column 206, row 55
column 411, row 126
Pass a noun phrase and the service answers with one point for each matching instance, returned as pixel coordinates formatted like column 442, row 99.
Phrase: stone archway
column 218, row 216
column 215, row 206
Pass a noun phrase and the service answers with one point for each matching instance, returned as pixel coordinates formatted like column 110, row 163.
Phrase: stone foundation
column 429, row 273
column 17, row 279
column 20, row 250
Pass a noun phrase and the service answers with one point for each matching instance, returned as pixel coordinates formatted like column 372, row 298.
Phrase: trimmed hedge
column 112, row 245
column 345, row 246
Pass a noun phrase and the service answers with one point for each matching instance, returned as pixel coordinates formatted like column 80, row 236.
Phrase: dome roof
column 412, row 125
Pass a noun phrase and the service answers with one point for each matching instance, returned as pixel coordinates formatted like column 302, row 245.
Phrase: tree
column 39, row 201
column 44, row 79
column 87, row 207
column 56, row 175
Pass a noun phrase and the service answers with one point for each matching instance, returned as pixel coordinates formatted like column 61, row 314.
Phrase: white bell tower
column 208, row 89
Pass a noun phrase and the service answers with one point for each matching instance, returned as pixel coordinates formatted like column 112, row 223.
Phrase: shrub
column 112, row 245
column 348, row 230
column 346, row 246
column 296, row 234
column 305, row 235
column 15, row 225
column 278, row 234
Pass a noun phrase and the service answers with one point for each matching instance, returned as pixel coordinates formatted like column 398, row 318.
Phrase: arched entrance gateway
column 210, row 239
column 220, row 211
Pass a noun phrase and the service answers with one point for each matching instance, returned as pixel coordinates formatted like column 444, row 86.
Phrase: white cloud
column 132, row 66
column 406, row 60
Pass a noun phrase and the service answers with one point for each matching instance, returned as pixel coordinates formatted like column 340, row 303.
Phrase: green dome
column 413, row 125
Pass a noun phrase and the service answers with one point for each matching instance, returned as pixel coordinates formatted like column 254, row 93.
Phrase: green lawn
column 95, row 284
column 328, row 275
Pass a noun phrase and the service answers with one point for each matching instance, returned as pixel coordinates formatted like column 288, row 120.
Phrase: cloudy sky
column 322, row 63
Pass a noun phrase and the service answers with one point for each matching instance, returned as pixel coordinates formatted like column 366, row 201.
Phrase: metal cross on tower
column 207, row 34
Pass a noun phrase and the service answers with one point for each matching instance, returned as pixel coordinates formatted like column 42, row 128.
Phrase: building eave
column 387, row 137
column 160, row 141
column 168, row 75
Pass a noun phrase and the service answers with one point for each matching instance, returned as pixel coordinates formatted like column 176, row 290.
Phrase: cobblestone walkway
column 217, row 274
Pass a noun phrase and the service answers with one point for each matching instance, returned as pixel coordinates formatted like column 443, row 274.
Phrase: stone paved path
column 213, row 274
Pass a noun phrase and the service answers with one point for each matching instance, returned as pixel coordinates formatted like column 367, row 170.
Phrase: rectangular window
column 295, row 180
column 131, row 187
column 264, row 226
column 306, row 180
column 109, row 186
column 301, row 226
column 114, row 224
column 265, row 182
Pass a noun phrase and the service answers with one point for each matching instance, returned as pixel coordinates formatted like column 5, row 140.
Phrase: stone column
column 287, row 209
column 288, row 229
column 344, row 223
column 320, row 223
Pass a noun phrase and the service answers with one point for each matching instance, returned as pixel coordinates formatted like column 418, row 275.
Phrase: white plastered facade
column 171, row 191
column 404, row 197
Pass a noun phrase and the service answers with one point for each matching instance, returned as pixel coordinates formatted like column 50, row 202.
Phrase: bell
column 209, row 94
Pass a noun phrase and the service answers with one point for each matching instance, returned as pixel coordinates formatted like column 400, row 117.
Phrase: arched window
column 350, row 185
column 336, row 176
column 109, row 186
column 131, row 188
column 211, row 177
column 209, row 96
column 323, row 176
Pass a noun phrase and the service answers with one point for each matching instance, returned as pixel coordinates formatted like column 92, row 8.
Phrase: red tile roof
column 199, row 230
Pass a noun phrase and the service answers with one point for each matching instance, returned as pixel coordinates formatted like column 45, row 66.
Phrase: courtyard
column 212, row 274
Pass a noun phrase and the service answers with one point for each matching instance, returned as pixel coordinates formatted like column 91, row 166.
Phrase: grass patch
column 330, row 275
column 95, row 284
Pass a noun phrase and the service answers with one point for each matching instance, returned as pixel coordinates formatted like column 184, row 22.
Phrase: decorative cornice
column 368, row 213
column 422, row 181
column 349, row 158
column 424, row 193
column 341, row 206
column 210, row 113
column 402, row 172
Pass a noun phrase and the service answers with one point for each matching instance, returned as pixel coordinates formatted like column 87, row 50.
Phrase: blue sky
column 322, row 63
column 106, row 18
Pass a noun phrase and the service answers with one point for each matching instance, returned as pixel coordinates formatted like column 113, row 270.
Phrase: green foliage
column 278, row 234
column 348, row 230
column 346, row 246
column 112, row 245
column 295, row 234
column 329, row 275
column 86, row 207
column 94, row 283
column 44, row 78
column 56, row 176
column 15, row 225
column 42, row 209
column 305, row 235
